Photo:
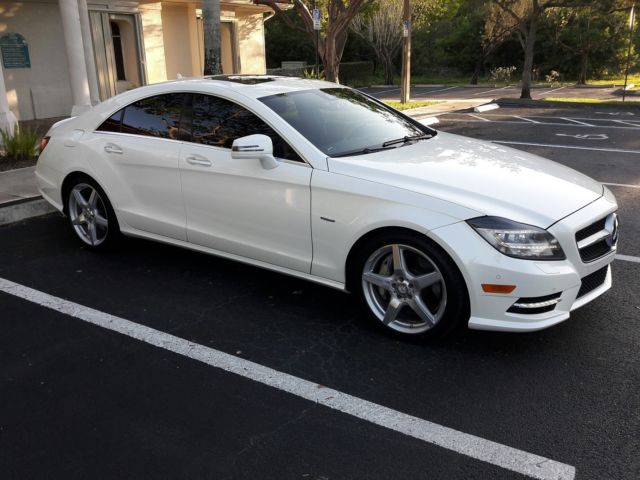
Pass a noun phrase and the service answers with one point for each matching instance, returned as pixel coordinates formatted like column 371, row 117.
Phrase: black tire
column 81, row 217
column 404, row 295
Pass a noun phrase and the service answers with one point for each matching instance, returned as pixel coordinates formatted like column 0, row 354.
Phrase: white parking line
column 478, row 117
column 621, row 185
column 470, row 445
column 628, row 258
column 542, row 124
column 434, row 91
column 525, row 119
column 577, row 121
column 573, row 147
column 385, row 91
column 487, row 91
column 625, row 123
column 549, row 91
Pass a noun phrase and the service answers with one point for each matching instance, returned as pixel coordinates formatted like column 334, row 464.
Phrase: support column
column 8, row 120
column 89, row 58
column 75, row 56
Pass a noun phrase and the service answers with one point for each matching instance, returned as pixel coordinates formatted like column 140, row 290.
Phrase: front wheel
column 90, row 214
column 411, row 287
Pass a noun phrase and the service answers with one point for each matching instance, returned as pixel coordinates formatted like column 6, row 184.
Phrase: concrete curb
column 23, row 209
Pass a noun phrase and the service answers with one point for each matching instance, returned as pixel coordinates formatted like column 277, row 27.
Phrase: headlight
column 518, row 240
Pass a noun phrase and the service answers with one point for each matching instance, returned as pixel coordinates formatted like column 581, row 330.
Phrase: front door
column 236, row 206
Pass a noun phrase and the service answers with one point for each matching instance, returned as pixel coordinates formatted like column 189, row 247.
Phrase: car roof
column 254, row 86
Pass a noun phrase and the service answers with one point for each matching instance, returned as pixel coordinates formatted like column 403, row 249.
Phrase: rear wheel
column 411, row 287
column 90, row 214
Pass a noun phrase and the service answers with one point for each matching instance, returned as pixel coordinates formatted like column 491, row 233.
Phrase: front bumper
column 480, row 263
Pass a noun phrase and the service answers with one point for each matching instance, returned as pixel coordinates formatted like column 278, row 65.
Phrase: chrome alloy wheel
column 88, row 214
column 404, row 288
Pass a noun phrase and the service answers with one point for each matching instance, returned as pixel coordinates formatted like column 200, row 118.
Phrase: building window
column 117, row 50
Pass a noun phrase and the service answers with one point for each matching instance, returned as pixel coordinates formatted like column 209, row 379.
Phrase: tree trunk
column 330, row 60
column 387, row 63
column 584, row 62
column 530, row 41
column 476, row 71
column 211, row 27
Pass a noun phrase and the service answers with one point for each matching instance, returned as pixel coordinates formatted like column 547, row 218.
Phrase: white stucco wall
column 177, row 40
column 43, row 90
column 152, row 31
column 251, row 42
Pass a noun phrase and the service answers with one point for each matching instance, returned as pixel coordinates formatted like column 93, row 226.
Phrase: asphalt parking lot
column 137, row 363
column 444, row 92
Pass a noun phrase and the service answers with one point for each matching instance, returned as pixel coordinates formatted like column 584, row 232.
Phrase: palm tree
column 211, row 27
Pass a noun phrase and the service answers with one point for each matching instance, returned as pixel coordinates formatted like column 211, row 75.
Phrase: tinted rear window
column 157, row 116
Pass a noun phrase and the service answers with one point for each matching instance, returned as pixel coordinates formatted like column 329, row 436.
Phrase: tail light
column 43, row 143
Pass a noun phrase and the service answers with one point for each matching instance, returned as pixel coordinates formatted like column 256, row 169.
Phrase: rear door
column 236, row 206
column 141, row 146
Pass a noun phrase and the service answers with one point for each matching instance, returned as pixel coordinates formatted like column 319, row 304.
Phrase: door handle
column 198, row 160
column 111, row 148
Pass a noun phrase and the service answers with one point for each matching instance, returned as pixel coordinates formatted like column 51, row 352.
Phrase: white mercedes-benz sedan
column 431, row 230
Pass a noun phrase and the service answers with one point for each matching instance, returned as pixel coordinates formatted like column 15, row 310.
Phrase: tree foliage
column 331, row 42
column 581, row 40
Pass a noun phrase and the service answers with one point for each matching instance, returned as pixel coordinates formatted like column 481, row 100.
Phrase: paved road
column 79, row 400
column 447, row 93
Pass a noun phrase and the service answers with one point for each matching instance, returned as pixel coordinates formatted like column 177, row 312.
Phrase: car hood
column 484, row 177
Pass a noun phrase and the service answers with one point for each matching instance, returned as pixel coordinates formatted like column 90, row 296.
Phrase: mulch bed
column 10, row 163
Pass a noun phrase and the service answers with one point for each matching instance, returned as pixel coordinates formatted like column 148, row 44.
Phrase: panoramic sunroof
column 245, row 79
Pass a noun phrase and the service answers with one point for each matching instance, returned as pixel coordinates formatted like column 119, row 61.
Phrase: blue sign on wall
column 15, row 51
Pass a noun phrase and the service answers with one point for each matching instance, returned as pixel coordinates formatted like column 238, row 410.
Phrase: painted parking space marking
column 525, row 119
column 628, row 258
column 472, row 446
column 621, row 185
column 585, row 136
column 492, row 90
column 552, row 90
column 445, row 118
column 434, row 91
column 577, row 121
column 479, row 117
column 572, row 147
column 626, row 123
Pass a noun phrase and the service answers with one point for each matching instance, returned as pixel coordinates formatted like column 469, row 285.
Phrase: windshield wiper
column 360, row 151
column 408, row 138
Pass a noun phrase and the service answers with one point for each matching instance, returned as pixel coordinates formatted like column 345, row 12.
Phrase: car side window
column 158, row 116
column 112, row 124
column 218, row 122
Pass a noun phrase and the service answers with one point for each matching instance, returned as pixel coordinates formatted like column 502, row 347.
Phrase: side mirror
column 255, row 147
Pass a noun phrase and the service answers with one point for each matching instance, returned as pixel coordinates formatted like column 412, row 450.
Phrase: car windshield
column 342, row 122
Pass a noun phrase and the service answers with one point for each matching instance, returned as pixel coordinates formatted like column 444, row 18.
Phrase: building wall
column 177, row 38
column 43, row 90
column 152, row 31
column 171, row 41
column 251, row 42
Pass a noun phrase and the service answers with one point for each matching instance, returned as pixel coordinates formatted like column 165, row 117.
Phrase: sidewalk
column 19, row 197
column 446, row 106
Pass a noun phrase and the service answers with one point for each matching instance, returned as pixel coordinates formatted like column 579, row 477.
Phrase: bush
column 502, row 73
column 21, row 145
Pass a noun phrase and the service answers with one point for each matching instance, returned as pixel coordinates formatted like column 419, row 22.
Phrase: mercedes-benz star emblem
column 611, row 226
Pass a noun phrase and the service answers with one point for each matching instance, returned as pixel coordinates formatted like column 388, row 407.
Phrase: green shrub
column 22, row 144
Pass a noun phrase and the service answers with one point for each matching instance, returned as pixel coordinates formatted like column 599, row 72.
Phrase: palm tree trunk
column 211, row 27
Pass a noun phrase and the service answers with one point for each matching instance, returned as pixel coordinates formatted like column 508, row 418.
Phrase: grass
column 588, row 100
column 410, row 104
column 617, row 81
column 21, row 145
